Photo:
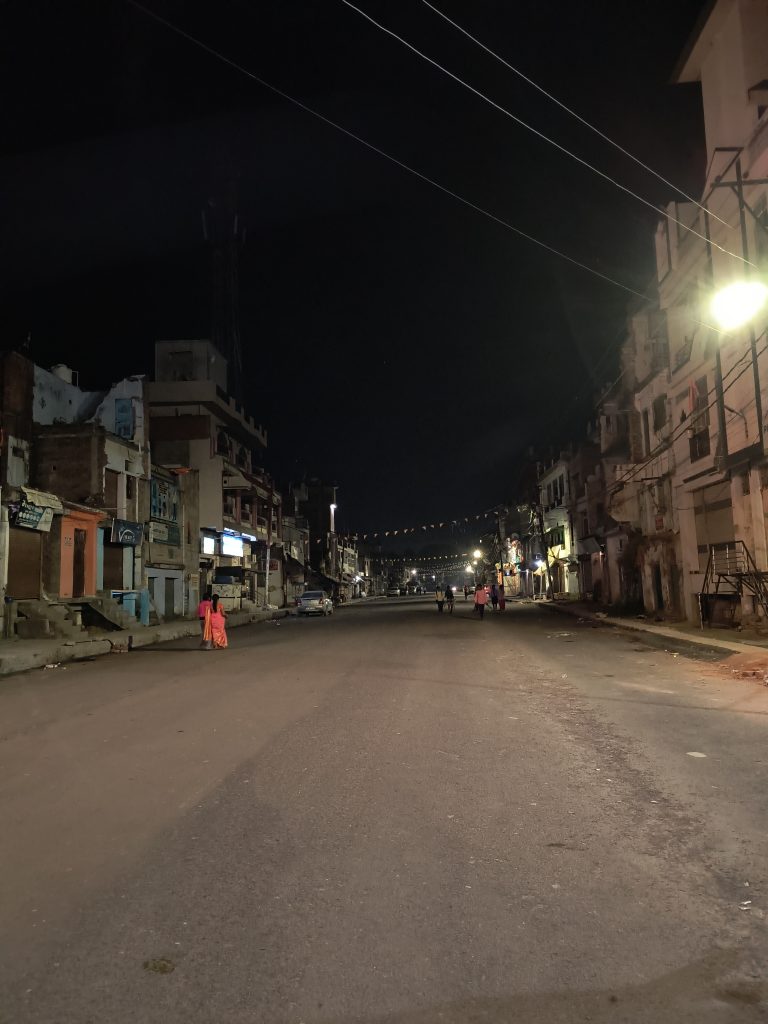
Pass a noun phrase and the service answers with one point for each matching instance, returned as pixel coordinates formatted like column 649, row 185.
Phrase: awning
column 236, row 482
column 295, row 570
column 587, row 546
column 42, row 499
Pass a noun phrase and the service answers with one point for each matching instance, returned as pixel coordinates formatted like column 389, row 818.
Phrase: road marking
column 695, row 753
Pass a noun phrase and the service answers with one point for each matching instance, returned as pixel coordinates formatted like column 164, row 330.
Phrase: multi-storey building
column 717, row 383
column 196, row 425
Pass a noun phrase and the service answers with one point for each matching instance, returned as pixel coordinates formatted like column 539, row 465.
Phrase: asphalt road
column 388, row 816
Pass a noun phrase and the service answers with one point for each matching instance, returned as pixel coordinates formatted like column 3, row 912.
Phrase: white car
column 314, row 602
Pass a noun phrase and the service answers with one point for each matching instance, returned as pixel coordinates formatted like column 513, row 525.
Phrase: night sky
column 393, row 340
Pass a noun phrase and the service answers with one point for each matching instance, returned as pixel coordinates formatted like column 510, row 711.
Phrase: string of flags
column 424, row 528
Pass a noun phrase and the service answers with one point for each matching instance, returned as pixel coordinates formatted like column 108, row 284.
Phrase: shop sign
column 125, row 532
column 33, row 517
column 165, row 533
column 164, row 500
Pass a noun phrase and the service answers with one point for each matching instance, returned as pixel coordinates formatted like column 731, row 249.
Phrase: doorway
column 170, row 586
column 657, row 590
column 78, row 564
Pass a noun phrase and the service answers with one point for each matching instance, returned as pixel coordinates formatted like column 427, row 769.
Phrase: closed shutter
column 24, row 555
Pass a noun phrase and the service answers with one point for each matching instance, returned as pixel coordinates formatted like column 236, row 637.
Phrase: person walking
column 440, row 598
column 449, row 597
column 202, row 608
column 495, row 597
column 466, row 591
column 481, row 599
column 218, row 624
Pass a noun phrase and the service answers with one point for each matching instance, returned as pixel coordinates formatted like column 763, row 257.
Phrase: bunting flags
column 424, row 527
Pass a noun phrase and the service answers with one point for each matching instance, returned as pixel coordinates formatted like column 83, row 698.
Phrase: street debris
column 601, row 615
column 695, row 753
column 555, row 636
column 54, row 664
column 159, row 965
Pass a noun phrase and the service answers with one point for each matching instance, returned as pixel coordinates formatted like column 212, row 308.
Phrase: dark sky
column 393, row 340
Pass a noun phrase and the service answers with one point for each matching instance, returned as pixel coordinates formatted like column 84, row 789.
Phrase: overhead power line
column 541, row 135
column 573, row 113
column 380, row 152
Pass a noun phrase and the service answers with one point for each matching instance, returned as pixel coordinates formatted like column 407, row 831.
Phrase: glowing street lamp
column 477, row 553
column 738, row 303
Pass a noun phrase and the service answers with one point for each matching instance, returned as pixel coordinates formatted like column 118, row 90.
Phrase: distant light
column 738, row 303
column 413, row 572
column 333, row 507
column 468, row 569
column 540, row 564
column 477, row 553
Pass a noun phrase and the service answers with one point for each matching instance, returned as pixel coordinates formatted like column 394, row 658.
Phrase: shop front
column 77, row 542
column 31, row 519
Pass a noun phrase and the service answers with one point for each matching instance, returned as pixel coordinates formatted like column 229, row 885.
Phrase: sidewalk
column 748, row 643
column 22, row 655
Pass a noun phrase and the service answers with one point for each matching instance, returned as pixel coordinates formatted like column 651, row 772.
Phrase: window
column 761, row 231
column 659, row 412
column 646, row 432
column 698, row 431
column 130, row 487
column 124, row 418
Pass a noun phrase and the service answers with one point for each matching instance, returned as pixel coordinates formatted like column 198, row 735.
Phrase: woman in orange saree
column 218, row 624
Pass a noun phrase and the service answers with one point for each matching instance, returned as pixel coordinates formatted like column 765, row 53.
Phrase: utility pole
column 540, row 519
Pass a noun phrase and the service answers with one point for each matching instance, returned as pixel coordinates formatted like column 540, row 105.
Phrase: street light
column 734, row 305
column 477, row 553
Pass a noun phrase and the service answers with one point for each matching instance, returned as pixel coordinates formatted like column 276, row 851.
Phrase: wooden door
column 78, row 564
column 24, row 549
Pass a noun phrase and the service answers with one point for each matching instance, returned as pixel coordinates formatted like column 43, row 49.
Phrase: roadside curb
column 15, row 658
column 665, row 632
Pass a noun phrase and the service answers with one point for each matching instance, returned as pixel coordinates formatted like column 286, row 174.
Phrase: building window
column 646, row 432
column 761, row 231
column 698, row 431
column 124, row 418
column 130, row 488
column 659, row 412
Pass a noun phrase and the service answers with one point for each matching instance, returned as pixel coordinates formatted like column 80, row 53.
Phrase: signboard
column 164, row 501
column 125, row 532
column 232, row 546
column 209, row 545
column 33, row 517
column 165, row 533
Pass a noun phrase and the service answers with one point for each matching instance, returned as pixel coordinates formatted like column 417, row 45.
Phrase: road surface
column 390, row 817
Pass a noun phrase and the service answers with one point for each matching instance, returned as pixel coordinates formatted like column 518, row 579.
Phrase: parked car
column 393, row 592
column 314, row 602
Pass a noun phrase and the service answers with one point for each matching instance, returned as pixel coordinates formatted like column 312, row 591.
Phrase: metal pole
column 718, row 363
column 752, row 338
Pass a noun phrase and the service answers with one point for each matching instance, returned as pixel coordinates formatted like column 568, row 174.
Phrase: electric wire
column 573, row 113
column 542, row 135
column 380, row 152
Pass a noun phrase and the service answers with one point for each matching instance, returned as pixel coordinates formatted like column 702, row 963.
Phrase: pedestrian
column 218, row 623
column 481, row 599
column 440, row 598
column 495, row 597
column 449, row 597
column 202, row 608
column 466, row 591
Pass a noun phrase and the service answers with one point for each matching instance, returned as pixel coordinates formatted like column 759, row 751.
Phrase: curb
column 664, row 632
column 61, row 652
